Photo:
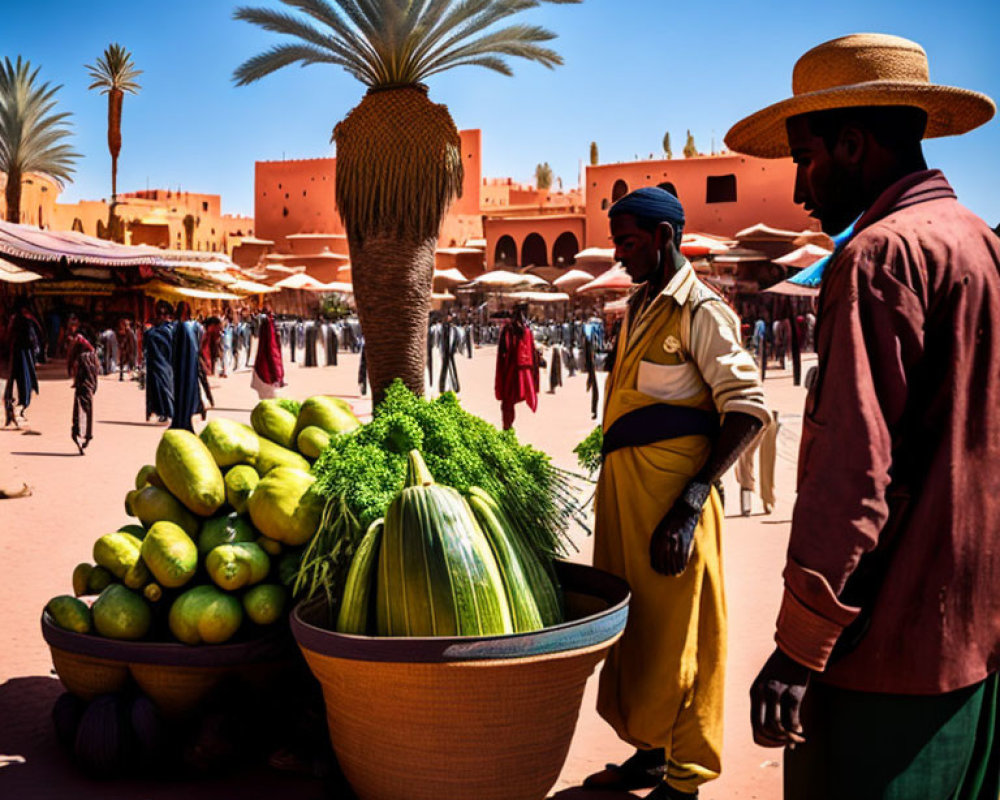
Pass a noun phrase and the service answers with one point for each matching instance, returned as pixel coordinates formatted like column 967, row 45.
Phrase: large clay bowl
column 176, row 677
column 463, row 718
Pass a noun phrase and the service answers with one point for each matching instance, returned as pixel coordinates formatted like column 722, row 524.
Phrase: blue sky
column 634, row 69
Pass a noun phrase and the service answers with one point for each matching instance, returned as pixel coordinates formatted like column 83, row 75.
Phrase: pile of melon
column 222, row 521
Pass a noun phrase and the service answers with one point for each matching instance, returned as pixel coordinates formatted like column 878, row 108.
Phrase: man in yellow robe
column 683, row 400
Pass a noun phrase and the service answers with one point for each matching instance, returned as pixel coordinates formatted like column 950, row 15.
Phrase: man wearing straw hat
column 884, row 681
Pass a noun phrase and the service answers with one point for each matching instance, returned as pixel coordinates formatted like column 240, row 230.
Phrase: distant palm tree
column 399, row 162
column 114, row 74
column 595, row 158
column 543, row 176
column 32, row 136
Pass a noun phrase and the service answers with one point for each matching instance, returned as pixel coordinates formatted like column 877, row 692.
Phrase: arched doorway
column 505, row 254
column 667, row 186
column 78, row 225
column 534, row 253
column 564, row 250
column 619, row 191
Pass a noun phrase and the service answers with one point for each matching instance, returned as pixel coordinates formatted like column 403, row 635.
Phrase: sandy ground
column 75, row 499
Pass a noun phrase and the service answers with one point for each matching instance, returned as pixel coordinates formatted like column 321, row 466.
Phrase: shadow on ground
column 579, row 793
column 46, row 772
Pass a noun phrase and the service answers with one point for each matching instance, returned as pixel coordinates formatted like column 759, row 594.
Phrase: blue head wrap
column 652, row 205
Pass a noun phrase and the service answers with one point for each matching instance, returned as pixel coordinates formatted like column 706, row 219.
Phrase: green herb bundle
column 368, row 467
column 588, row 452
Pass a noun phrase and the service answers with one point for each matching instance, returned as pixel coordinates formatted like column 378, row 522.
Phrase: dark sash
column 657, row 423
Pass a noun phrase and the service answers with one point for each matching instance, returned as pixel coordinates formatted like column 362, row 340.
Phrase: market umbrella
column 697, row 245
column 615, row 279
column 251, row 287
column 449, row 277
column 573, row 279
column 11, row 273
column 805, row 256
column 298, row 281
column 502, row 279
column 596, row 255
column 540, row 297
column 340, row 287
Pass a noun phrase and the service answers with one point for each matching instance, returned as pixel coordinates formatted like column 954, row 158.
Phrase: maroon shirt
column 900, row 452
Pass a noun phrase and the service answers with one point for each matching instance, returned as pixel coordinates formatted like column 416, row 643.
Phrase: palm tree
column 595, row 158
column 114, row 74
column 399, row 160
column 543, row 176
column 32, row 135
column 690, row 148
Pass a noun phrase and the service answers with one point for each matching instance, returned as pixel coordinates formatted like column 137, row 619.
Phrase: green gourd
column 437, row 572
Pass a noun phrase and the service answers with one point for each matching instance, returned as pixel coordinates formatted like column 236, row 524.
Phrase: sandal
column 642, row 770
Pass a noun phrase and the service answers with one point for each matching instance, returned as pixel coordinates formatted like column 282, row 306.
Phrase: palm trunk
column 392, row 288
column 115, row 97
column 13, row 196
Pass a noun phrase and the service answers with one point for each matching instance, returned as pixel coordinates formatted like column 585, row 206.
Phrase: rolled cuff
column 811, row 618
column 750, row 407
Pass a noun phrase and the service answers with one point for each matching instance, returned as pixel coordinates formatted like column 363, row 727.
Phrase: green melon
column 170, row 554
column 285, row 506
column 119, row 613
column 241, row 480
column 205, row 615
column 189, row 471
column 274, row 423
column 230, row 442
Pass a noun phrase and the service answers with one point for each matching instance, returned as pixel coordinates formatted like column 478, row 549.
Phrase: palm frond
column 253, row 69
column 114, row 69
column 32, row 136
column 399, row 42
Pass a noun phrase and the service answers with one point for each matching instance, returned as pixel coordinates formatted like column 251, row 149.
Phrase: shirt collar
column 917, row 187
column 680, row 285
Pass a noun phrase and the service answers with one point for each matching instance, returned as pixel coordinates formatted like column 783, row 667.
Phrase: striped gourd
column 520, row 598
column 437, row 574
column 544, row 589
column 353, row 616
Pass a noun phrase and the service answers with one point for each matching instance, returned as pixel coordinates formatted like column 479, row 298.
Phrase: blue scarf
column 813, row 274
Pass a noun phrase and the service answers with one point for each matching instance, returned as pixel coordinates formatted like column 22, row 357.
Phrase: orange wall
column 763, row 193
column 38, row 200
column 519, row 228
column 295, row 197
column 300, row 197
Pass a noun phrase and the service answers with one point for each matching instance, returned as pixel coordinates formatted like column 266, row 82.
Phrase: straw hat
column 863, row 69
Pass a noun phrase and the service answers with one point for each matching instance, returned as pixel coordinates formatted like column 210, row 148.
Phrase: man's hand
column 670, row 545
column 776, row 701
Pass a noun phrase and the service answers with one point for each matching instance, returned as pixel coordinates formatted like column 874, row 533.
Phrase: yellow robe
column 662, row 684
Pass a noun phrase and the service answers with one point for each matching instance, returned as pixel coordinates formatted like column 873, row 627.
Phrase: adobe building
column 298, row 198
column 38, row 199
column 172, row 220
column 721, row 194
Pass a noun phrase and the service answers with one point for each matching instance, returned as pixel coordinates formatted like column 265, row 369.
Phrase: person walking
column 884, row 683
column 82, row 367
column 268, row 369
column 187, row 355
column 126, row 347
column 683, row 400
column 517, row 377
column 24, row 341
column 158, row 351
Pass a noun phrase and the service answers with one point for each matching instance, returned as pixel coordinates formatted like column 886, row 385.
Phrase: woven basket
column 176, row 677
column 487, row 718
